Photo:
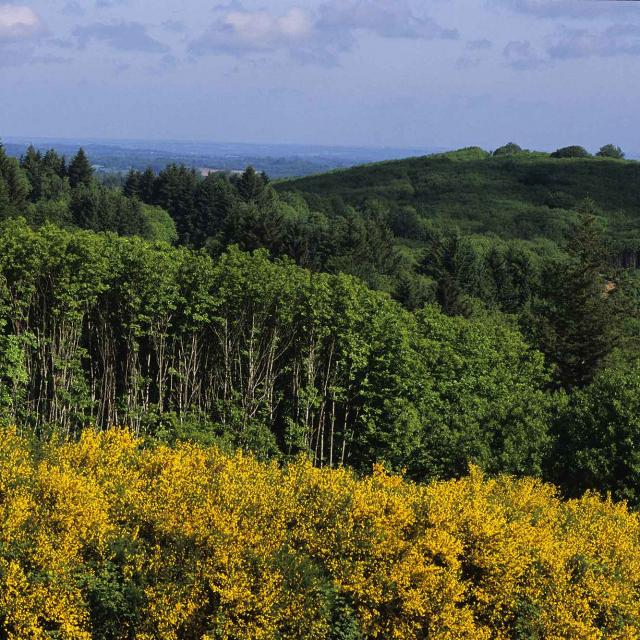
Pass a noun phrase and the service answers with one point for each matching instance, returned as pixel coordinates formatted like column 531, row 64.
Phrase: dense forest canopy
column 426, row 317
column 327, row 316
column 511, row 193
column 108, row 330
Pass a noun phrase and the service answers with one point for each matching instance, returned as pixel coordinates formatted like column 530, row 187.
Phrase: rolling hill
column 527, row 195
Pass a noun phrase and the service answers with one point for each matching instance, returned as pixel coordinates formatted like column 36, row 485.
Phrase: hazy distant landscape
column 278, row 160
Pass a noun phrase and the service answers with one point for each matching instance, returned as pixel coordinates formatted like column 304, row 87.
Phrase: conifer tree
column 54, row 163
column 80, row 170
column 445, row 260
column 32, row 164
column 131, row 187
column 581, row 322
column 147, row 186
column 251, row 185
column 13, row 184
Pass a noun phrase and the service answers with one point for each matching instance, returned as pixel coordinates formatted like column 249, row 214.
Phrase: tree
column 46, row 175
column 251, row 185
column 54, row 163
column 598, row 438
column 131, row 187
column 148, row 180
column 14, row 186
column 173, row 190
column 101, row 209
column 160, row 223
column 573, row 151
column 80, row 170
column 482, row 398
column 581, row 317
column 450, row 260
column 508, row 149
column 32, row 164
column 611, row 151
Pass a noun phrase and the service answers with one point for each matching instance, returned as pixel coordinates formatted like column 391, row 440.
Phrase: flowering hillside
column 105, row 538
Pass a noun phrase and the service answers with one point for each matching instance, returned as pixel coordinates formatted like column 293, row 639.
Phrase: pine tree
column 131, row 187
column 15, row 186
column 32, row 165
column 147, row 186
column 581, row 323
column 445, row 261
column 54, row 163
column 80, row 170
column 251, row 185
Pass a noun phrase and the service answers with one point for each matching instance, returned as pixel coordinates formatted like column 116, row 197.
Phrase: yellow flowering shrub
column 105, row 538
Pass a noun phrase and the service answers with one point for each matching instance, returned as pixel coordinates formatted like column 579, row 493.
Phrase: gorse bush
column 106, row 539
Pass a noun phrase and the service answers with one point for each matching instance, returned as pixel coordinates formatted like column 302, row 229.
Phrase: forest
column 466, row 324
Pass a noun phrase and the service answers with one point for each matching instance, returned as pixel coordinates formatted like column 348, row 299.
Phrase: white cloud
column 522, row 56
column 570, row 8
column 389, row 19
column 261, row 30
column 317, row 36
column 621, row 39
column 240, row 31
column 296, row 23
column 125, row 36
column 18, row 23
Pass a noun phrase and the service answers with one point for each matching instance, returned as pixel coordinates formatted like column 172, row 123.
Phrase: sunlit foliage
column 104, row 538
column 101, row 329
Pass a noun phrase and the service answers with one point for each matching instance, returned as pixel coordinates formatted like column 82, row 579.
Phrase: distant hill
column 527, row 195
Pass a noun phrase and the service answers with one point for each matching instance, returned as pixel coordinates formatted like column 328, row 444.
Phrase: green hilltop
column 525, row 195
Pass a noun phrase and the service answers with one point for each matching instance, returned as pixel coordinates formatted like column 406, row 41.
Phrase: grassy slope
column 522, row 196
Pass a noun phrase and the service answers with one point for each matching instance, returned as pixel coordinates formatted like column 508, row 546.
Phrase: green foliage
column 524, row 196
column 466, row 154
column 44, row 190
column 489, row 404
column 114, row 593
column 573, row 151
column 611, row 151
column 216, row 212
column 14, row 187
column 13, row 374
column 159, row 225
column 580, row 320
column 80, row 171
column 259, row 355
column 344, row 623
column 283, row 337
column 598, row 437
column 100, row 209
column 509, row 149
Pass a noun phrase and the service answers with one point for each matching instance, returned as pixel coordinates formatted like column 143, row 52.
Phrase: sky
column 397, row 73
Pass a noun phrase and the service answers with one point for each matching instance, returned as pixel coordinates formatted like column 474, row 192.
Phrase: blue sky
column 414, row 73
